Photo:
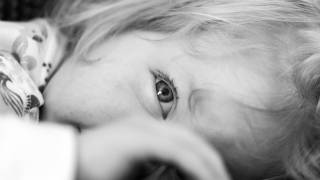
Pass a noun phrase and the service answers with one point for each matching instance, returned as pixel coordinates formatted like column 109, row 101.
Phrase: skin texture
column 114, row 84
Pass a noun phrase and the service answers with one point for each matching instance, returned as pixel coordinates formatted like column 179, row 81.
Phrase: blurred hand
column 113, row 152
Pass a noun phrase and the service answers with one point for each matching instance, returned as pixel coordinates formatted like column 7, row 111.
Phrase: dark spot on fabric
column 34, row 102
column 37, row 38
column 16, row 57
column 41, row 88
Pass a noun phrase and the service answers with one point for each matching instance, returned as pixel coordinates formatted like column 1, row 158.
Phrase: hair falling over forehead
column 101, row 19
column 267, row 22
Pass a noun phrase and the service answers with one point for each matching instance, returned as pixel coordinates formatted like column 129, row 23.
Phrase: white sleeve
column 36, row 151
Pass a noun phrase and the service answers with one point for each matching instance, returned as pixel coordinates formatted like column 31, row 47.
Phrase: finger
column 182, row 148
column 187, row 141
column 201, row 162
column 134, row 142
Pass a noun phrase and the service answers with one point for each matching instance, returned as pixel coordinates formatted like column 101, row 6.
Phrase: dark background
column 22, row 10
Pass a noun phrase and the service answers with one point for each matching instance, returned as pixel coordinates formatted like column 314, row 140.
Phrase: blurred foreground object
column 20, row 10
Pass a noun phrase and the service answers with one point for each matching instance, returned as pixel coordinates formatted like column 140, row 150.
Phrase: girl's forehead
column 246, row 75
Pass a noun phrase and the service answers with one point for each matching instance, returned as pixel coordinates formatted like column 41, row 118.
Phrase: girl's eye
column 166, row 93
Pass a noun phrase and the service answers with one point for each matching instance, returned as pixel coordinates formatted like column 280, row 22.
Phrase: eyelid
column 164, row 77
column 144, row 92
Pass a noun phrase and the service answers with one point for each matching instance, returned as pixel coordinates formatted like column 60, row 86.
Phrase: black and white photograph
column 159, row 89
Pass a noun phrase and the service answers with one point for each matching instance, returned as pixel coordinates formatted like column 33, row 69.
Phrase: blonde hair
column 89, row 22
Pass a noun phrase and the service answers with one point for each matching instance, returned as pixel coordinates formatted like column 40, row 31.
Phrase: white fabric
column 30, row 151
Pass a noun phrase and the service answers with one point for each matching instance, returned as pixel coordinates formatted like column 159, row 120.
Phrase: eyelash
column 164, row 77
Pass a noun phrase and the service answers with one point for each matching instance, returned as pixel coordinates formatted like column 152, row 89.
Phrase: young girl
column 242, row 75
column 29, row 54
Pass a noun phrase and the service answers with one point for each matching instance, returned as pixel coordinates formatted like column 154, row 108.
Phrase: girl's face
column 138, row 75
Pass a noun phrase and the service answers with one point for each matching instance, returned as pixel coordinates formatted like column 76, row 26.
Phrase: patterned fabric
column 29, row 52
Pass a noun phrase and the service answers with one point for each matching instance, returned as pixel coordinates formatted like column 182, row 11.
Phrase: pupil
column 165, row 91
